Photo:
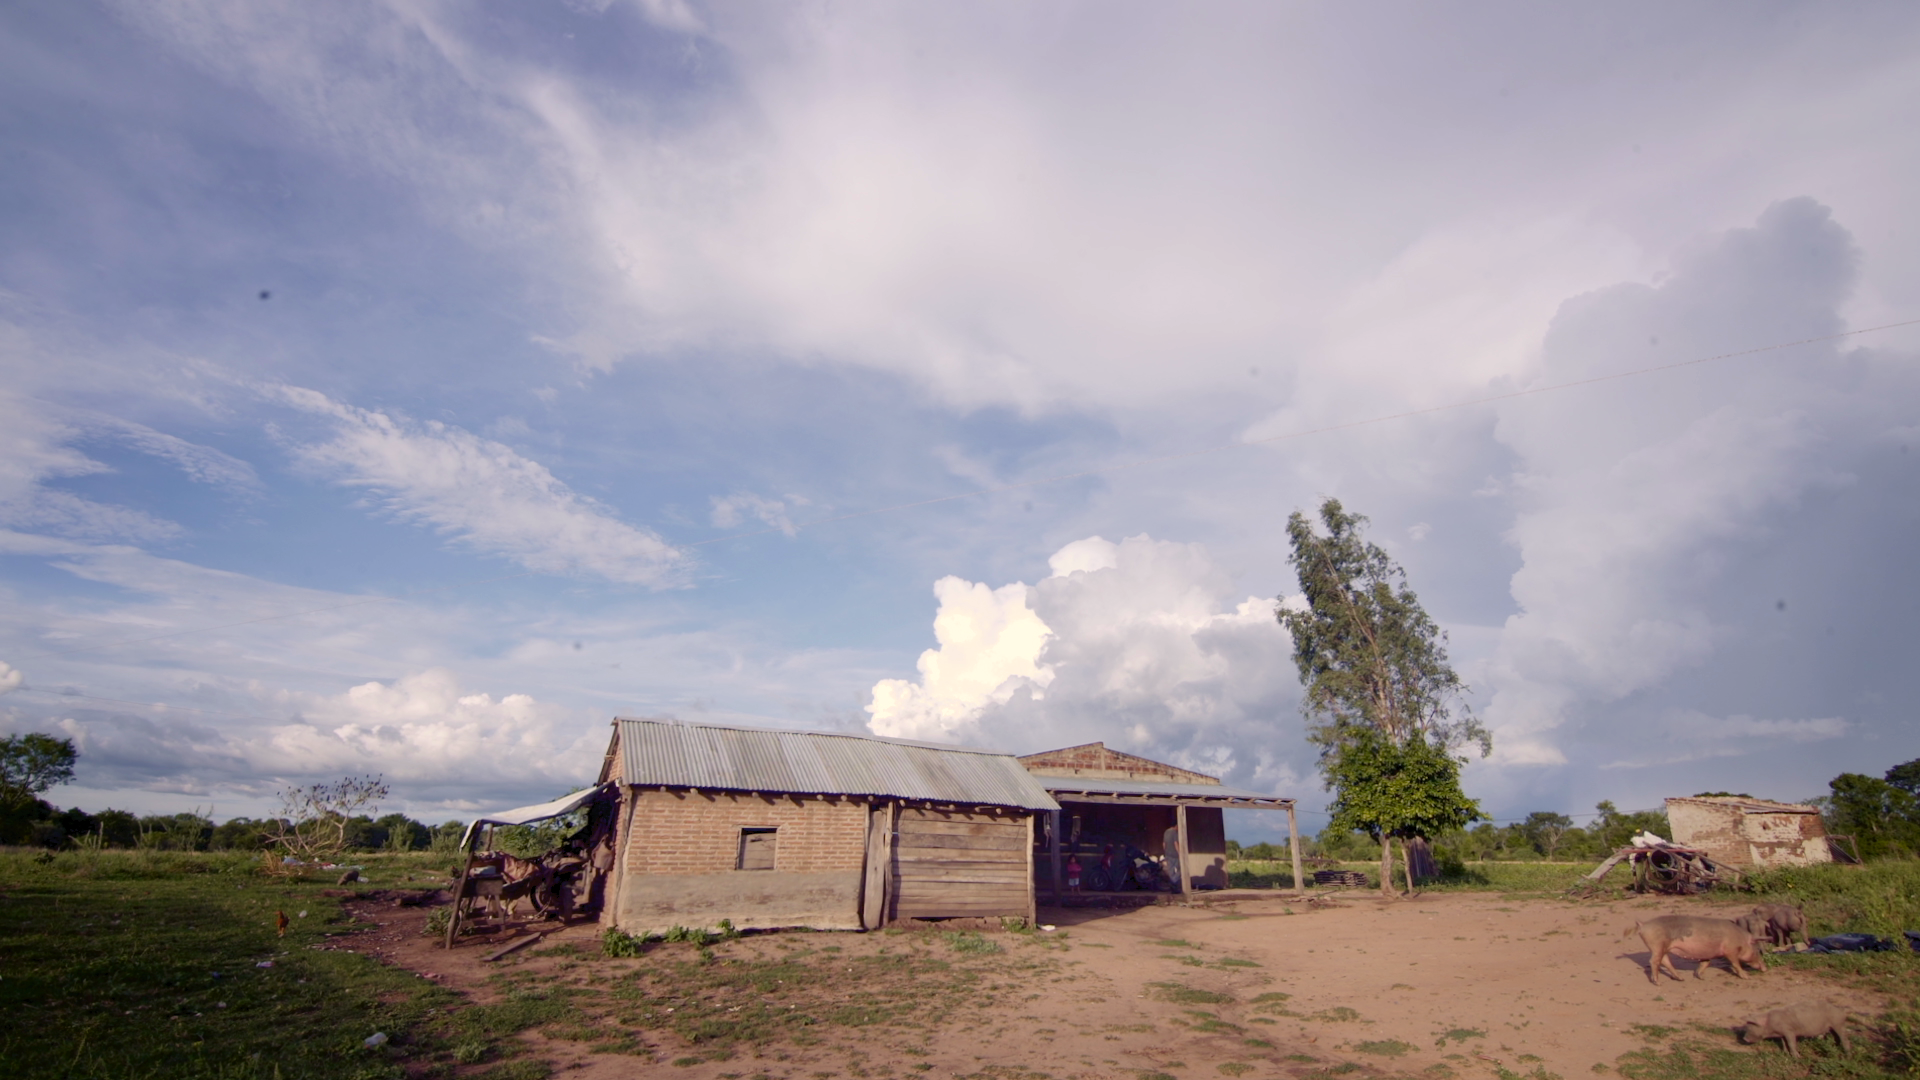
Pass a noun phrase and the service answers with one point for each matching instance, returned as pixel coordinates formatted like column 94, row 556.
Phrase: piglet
column 1807, row 1020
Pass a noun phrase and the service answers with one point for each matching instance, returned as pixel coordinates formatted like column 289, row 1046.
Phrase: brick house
column 812, row 829
column 1110, row 798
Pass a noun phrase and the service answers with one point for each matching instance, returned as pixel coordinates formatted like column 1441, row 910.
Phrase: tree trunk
column 1386, row 865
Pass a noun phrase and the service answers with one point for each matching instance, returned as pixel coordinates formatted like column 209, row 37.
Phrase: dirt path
column 1468, row 982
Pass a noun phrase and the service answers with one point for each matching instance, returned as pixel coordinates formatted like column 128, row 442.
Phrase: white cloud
column 990, row 647
column 1138, row 644
column 729, row 511
column 482, row 493
column 1076, row 208
column 34, row 449
column 201, row 464
column 10, row 678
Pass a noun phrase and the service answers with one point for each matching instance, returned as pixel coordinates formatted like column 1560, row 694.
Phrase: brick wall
column 679, row 832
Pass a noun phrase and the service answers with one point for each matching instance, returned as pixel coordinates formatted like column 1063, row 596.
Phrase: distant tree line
column 43, row 825
column 1542, row 836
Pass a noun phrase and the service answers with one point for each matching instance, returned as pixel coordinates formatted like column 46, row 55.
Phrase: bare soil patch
column 1445, row 984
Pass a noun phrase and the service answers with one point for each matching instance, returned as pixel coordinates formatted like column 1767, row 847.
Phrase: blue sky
column 388, row 387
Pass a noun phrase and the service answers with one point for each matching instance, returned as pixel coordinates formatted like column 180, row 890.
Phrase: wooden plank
column 1026, row 863
column 1293, row 847
column 966, row 875
column 959, row 828
column 873, row 898
column 514, row 948
column 962, row 911
column 958, row 887
column 1012, row 842
column 927, row 813
column 934, row 867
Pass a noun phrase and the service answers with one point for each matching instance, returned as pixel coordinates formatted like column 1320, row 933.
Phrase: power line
column 1300, row 434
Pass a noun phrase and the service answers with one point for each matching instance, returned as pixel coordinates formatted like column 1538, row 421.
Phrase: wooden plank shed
column 813, row 829
column 1110, row 797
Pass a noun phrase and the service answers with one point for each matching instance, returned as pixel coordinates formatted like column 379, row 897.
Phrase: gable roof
column 672, row 753
column 1098, row 759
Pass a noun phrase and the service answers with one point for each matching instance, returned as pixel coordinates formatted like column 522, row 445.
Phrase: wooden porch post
column 1033, row 899
column 1186, row 872
column 1293, row 846
column 1053, row 836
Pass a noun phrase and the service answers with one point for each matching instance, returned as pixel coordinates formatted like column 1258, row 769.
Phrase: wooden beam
column 1174, row 800
column 1033, row 902
column 1293, row 846
column 1186, row 871
column 1053, row 835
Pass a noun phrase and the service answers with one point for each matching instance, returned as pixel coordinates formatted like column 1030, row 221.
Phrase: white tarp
column 528, row 814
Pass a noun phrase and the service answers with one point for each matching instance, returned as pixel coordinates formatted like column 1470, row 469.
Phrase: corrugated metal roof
column 671, row 753
column 1100, row 785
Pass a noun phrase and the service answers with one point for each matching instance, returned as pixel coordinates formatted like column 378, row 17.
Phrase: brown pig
column 1776, row 923
column 1690, row 937
column 1807, row 1020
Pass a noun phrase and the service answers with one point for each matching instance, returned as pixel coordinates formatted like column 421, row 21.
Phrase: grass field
column 128, row 965
column 151, row 964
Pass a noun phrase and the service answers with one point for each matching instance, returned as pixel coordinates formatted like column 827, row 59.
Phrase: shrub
column 615, row 943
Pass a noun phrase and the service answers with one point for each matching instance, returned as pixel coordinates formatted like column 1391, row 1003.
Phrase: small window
column 756, row 848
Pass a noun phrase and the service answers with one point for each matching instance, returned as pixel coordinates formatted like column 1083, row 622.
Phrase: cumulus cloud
column 10, row 678
column 482, row 493
column 437, row 741
column 990, row 647
column 1140, row 644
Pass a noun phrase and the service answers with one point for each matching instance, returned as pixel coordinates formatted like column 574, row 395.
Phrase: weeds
column 1182, row 994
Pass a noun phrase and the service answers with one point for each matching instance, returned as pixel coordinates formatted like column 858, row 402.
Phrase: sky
column 410, row 388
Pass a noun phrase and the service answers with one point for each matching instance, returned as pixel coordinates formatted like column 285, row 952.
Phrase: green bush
column 617, row 943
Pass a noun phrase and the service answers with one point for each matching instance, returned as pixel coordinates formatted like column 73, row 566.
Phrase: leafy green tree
column 32, row 763
column 1545, row 829
column 1379, row 687
column 1882, row 818
column 1391, row 789
column 1906, row 777
column 1616, row 830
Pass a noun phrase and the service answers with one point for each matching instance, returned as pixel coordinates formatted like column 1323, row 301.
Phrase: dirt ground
column 1446, row 984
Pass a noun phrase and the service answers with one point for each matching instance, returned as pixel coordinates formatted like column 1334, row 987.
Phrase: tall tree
column 1379, row 687
column 32, row 763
